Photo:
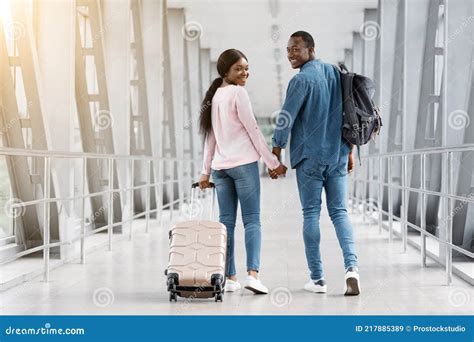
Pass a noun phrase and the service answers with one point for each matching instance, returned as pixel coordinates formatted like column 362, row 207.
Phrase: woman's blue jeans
column 240, row 184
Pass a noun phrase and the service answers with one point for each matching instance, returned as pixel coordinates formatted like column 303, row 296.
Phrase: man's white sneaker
column 232, row 285
column 352, row 282
column 255, row 285
column 318, row 286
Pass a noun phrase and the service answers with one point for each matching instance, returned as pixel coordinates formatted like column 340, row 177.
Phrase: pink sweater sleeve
column 245, row 113
column 209, row 149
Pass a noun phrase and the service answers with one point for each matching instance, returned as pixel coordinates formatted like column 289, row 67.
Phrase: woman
column 233, row 146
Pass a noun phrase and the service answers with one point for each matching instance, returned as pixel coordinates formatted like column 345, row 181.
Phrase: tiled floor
column 130, row 280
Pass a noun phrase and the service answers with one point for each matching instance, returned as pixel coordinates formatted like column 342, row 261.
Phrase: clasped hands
column 281, row 169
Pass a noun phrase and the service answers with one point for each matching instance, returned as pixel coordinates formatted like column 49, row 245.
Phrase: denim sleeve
column 295, row 97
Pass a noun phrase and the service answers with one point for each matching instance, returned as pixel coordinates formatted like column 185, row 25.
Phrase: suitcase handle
column 196, row 185
column 213, row 197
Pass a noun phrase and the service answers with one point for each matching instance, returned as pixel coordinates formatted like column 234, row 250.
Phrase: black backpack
column 361, row 117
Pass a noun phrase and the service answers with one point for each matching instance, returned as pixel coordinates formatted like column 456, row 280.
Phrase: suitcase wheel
column 219, row 297
column 173, row 297
column 172, row 280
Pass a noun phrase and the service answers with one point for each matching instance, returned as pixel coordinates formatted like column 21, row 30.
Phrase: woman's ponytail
column 205, row 121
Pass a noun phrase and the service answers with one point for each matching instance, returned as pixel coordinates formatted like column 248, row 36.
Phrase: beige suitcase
column 196, row 267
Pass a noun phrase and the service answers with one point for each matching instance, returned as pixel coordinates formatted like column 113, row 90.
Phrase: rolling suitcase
column 196, row 267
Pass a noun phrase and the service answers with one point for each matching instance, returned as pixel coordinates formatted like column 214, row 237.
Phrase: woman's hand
column 204, row 182
column 279, row 171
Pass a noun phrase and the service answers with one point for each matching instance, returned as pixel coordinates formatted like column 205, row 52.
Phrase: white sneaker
column 255, row 285
column 232, row 285
column 318, row 286
column 352, row 282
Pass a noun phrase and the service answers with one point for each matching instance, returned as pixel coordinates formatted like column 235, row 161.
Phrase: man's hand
column 279, row 171
column 204, row 182
column 277, row 151
column 350, row 164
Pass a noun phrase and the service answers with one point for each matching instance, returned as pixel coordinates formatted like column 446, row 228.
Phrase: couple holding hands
column 313, row 114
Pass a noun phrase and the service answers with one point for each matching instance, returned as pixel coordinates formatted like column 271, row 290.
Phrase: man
column 312, row 112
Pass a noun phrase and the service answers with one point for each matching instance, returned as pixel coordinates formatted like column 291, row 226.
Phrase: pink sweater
column 235, row 138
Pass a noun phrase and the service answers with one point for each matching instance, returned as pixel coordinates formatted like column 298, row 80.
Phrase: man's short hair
column 307, row 38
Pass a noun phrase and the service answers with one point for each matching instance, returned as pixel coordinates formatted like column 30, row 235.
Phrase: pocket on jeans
column 313, row 169
column 341, row 169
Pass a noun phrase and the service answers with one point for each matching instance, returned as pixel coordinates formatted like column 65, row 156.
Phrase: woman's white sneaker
column 352, row 282
column 255, row 285
column 316, row 286
column 232, row 285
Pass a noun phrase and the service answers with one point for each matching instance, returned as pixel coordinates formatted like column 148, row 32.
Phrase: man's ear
column 312, row 51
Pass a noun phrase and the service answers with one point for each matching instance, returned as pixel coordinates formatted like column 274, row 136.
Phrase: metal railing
column 447, row 196
column 174, row 164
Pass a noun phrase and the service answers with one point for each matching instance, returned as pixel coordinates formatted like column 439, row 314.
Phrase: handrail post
column 110, row 229
column 380, row 199
column 46, row 217
column 370, row 207
column 450, row 216
column 83, row 211
column 374, row 187
column 422, row 210
column 147, row 217
column 161, row 190
column 132, row 192
column 180, row 165
column 390, row 199
column 364, row 192
column 354, row 190
column 404, row 203
column 173, row 184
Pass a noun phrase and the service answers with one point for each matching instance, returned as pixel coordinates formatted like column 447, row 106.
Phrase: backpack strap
column 358, row 155
column 343, row 68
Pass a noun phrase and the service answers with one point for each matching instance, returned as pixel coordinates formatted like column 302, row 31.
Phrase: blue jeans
column 240, row 184
column 311, row 178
